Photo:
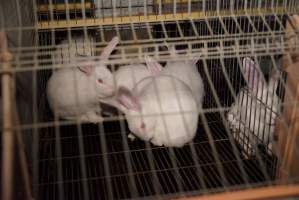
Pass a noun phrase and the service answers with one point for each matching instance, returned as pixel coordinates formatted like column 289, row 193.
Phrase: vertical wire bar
column 51, row 10
column 83, row 10
column 156, row 183
column 82, row 157
column 133, row 32
column 199, row 172
column 245, row 6
column 130, row 9
column 113, row 10
column 194, row 27
column 21, row 152
column 148, row 28
column 222, row 25
column 35, row 178
column 82, row 162
column 209, row 134
column 67, row 6
column 181, row 34
column 174, row 7
column 7, row 133
column 261, row 162
column 132, row 185
column 145, row 7
column 218, row 7
column 99, row 12
column 211, row 32
column 58, row 154
column 57, row 133
column 189, row 7
column 164, row 31
column 105, row 160
column 235, row 150
column 160, row 7
column 171, row 150
column 241, row 131
column 20, row 24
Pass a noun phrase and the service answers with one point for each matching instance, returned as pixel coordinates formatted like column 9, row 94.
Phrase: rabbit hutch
column 246, row 141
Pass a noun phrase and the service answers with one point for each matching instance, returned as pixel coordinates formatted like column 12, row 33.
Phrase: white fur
column 256, row 107
column 130, row 75
column 75, row 92
column 169, row 111
column 185, row 71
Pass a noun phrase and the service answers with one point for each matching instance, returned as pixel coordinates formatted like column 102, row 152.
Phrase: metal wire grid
column 73, row 171
column 64, row 165
column 172, row 170
column 67, row 150
column 197, row 172
column 211, row 38
column 113, row 8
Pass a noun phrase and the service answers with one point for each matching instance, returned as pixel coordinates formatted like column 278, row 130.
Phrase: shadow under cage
column 86, row 161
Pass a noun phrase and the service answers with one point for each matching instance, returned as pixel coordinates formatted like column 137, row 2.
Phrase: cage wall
column 75, row 160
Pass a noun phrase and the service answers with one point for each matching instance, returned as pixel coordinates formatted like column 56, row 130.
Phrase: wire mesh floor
column 104, row 171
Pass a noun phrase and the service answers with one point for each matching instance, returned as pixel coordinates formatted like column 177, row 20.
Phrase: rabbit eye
column 100, row 80
column 142, row 125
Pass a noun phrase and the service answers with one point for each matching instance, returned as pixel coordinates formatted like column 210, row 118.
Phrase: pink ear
column 153, row 66
column 88, row 69
column 127, row 99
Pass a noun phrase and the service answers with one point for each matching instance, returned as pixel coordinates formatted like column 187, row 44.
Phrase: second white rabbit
column 252, row 116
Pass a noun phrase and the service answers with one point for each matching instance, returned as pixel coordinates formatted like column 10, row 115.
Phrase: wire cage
column 71, row 159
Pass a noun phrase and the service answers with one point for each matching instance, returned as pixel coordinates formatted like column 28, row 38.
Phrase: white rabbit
column 256, row 107
column 160, row 109
column 129, row 75
column 75, row 92
column 185, row 70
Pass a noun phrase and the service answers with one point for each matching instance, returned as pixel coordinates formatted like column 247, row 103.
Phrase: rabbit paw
column 92, row 117
column 156, row 142
column 131, row 137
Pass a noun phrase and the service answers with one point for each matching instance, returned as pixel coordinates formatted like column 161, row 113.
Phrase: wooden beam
column 271, row 192
column 62, row 6
column 7, row 133
column 152, row 18
column 287, row 129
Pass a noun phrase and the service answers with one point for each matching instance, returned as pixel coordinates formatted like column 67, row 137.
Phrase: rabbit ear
column 252, row 74
column 109, row 48
column 126, row 98
column 87, row 69
column 274, row 78
column 153, row 66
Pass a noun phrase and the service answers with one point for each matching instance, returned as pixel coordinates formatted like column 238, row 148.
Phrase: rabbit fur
column 185, row 70
column 160, row 109
column 256, row 107
column 75, row 92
